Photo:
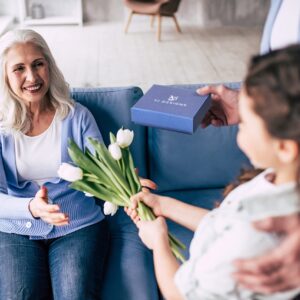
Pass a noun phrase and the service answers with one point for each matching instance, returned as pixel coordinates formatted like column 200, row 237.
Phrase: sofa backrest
column 111, row 109
column 209, row 158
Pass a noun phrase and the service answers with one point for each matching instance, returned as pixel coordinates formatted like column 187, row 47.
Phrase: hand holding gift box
column 171, row 108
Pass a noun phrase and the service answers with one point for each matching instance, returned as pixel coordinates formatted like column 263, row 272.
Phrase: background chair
column 159, row 8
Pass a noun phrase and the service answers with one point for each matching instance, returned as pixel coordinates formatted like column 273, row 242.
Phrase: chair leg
column 152, row 20
column 176, row 24
column 128, row 21
column 159, row 27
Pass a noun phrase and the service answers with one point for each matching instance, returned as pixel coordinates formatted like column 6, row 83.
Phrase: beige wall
column 202, row 12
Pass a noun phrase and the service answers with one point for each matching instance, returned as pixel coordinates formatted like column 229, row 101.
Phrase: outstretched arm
column 182, row 213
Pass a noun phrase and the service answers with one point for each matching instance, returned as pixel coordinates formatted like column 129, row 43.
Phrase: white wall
column 202, row 12
column 224, row 12
column 9, row 7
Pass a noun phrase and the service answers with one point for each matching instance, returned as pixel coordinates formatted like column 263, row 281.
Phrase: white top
column 286, row 26
column 38, row 157
column 226, row 233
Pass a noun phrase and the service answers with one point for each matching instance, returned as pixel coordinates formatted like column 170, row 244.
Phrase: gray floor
column 102, row 55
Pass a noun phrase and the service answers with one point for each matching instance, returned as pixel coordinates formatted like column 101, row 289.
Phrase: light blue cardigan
column 15, row 194
column 265, row 42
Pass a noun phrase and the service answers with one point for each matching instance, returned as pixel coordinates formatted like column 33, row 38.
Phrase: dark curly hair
column 273, row 82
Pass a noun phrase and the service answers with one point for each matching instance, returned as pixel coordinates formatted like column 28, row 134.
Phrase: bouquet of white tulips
column 109, row 175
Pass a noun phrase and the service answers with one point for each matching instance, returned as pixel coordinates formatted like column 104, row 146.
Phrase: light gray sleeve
column 281, row 202
column 209, row 275
column 12, row 207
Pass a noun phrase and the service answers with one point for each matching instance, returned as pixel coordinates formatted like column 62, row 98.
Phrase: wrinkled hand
column 224, row 108
column 278, row 270
column 49, row 213
column 151, row 200
column 153, row 233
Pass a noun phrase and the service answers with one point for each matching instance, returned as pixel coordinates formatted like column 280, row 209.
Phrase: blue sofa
column 194, row 168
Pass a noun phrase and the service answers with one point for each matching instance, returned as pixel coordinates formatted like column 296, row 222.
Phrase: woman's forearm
column 182, row 213
column 14, row 207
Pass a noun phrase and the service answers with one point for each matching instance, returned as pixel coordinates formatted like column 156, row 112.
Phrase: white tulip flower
column 115, row 151
column 124, row 137
column 110, row 208
column 69, row 172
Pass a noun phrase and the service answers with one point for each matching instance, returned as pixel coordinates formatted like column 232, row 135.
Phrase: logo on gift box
column 173, row 98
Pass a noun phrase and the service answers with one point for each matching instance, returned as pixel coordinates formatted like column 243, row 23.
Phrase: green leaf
column 127, row 173
column 98, row 191
column 112, row 138
column 111, row 164
column 111, row 179
column 123, row 162
column 132, row 170
column 177, row 242
column 106, row 178
column 81, row 160
column 94, row 179
column 91, row 164
column 130, row 181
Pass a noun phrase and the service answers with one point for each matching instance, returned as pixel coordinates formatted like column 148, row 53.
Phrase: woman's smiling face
column 27, row 73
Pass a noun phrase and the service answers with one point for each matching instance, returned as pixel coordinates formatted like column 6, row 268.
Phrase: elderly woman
column 48, row 232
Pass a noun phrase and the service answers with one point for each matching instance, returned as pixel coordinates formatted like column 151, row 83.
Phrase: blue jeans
column 129, row 272
column 64, row 268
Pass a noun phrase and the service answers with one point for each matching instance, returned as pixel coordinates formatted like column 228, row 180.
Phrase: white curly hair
column 13, row 112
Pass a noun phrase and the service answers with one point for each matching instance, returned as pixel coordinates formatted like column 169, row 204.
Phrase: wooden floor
column 102, row 55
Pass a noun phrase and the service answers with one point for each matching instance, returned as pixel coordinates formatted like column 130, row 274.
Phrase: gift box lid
column 171, row 108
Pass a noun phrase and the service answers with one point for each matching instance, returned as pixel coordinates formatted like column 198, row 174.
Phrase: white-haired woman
column 53, row 241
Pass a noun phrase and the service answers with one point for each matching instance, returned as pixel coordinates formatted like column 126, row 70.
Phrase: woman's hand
column 151, row 200
column 49, row 213
column 147, row 184
column 153, row 233
column 224, row 108
column 279, row 269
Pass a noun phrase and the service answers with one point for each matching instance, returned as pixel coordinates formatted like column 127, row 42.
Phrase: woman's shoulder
column 79, row 108
column 80, row 111
column 81, row 117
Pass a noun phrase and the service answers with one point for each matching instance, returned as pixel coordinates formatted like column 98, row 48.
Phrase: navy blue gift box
column 171, row 108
